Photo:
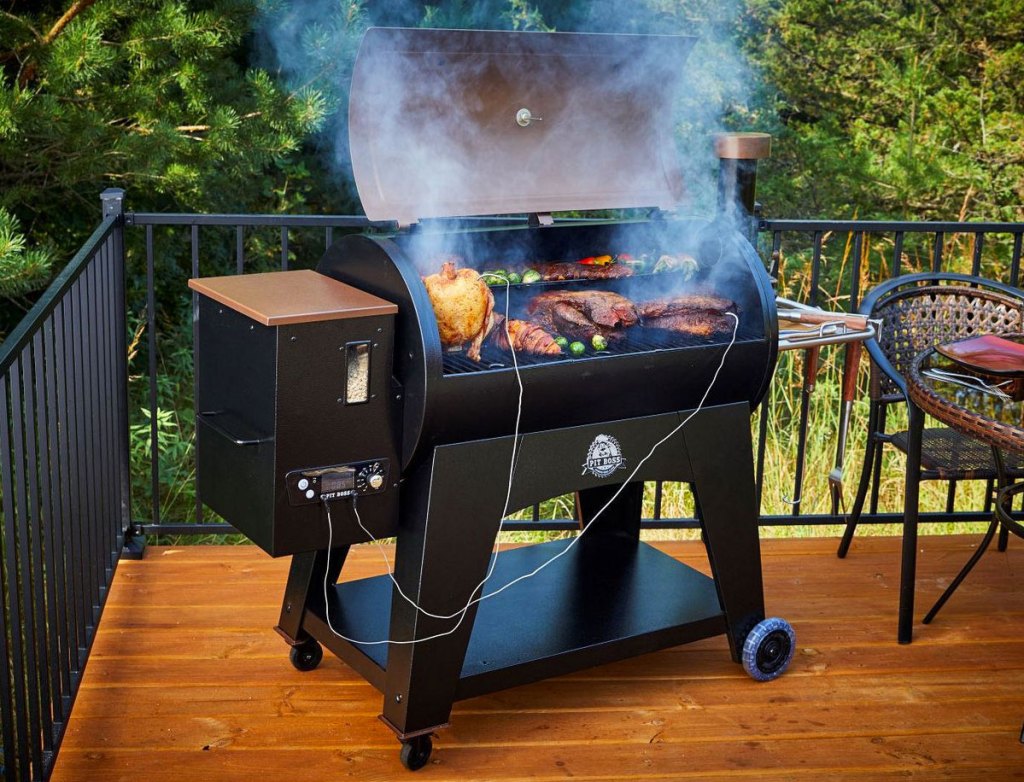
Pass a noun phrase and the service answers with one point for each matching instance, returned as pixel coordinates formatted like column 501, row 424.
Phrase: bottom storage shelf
column 601, row 601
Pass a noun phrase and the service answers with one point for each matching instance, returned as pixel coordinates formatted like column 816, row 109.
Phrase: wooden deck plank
column 187, row 679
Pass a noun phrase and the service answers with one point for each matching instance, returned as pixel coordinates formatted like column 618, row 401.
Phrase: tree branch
column 76, row 8
column 58, row 27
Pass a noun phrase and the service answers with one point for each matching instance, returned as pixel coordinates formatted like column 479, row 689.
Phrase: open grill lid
column 461, row 122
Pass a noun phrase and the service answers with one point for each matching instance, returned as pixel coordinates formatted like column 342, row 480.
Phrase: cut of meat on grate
column 582, row 314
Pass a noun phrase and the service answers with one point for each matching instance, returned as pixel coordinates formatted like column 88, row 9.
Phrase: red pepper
column 596, row 260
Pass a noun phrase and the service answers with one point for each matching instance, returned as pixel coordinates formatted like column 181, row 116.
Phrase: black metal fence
column 825, row 263
column 831, row 263
column 64, row 482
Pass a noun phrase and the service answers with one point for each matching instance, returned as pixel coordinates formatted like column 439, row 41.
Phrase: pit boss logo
column 603, row 457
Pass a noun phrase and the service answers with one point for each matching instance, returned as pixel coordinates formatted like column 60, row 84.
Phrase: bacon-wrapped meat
column 526, row 338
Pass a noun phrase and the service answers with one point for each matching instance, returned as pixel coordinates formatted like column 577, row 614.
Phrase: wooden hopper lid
column 300, row 296
column 465, row 122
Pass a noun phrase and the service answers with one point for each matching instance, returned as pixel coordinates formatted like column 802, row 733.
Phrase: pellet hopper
column 424, row 383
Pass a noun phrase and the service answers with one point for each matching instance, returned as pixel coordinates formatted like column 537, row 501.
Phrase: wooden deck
column 188, row 682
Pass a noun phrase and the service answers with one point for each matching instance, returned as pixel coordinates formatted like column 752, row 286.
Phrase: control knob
column 371, row 478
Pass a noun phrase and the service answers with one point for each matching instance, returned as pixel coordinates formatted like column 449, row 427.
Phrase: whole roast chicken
column 463, row 306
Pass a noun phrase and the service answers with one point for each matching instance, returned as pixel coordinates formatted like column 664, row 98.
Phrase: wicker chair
column 917, row 312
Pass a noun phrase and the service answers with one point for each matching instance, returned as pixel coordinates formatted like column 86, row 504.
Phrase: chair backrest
column 924, row 310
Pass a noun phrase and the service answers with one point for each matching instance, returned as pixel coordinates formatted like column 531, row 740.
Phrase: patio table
column 978, row 413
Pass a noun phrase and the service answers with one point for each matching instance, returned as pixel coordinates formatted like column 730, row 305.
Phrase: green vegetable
column 496, row 277
column 599, row 342
column 514, row 278
column 577, row 348
column 531, row 275
column 562, row 342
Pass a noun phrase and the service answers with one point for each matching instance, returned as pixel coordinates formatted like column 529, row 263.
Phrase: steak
column 581, row 271
column 695, row 323
column 694, row 302
column 582, row 314
column 697, row 314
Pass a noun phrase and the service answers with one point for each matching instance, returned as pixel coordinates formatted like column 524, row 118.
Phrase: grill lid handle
column 524, row 117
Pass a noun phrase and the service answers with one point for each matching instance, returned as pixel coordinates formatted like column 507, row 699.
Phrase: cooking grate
column 640, row 340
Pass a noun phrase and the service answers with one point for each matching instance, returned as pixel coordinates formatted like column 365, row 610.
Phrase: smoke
column 445, row 152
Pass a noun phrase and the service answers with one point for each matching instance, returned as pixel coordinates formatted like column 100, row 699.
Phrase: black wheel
column 307, row 655
column 416, row 752
column 769, row 649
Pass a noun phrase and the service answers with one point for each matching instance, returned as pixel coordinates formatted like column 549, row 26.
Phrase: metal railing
column 64, row 482
column 65, row 435
column 868, row 253
column 847, row 255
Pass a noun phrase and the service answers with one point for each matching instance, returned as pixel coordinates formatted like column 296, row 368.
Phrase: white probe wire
column 461, row 613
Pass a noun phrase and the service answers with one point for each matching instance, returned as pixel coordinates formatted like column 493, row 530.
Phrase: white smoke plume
column 314, row 43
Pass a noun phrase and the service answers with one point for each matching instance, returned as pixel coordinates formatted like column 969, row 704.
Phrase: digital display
column 331, row 482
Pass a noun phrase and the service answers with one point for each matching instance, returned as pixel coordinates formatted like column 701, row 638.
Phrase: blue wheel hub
column 769, row 649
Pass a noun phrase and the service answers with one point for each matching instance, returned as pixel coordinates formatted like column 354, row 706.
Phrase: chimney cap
column 743, row 146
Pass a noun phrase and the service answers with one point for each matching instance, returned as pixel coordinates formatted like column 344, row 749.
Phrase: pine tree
column 909, row 109
column 150, row 95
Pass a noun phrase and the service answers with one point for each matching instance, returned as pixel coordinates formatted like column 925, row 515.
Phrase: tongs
column 796, row 312
column 824, row 328
column 973, row 382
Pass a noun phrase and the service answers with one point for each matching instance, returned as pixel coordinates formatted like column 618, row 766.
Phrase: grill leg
column 439, row 561
column 305, row 587
column 723, row 476
column 621, row 518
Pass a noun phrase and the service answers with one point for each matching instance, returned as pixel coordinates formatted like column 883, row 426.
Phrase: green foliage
column 911, row 109
column 23, row 270
column 148, row 95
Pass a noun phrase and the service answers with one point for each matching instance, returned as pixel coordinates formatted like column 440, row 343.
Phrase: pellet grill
column 325, row 394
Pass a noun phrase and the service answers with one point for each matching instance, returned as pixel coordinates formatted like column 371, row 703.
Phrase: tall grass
column 779, row 492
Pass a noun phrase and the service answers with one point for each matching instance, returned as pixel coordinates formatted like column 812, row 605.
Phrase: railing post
column 113, row 202
column 134, row 542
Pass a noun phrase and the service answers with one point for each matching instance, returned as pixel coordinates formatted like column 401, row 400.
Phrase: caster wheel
column 416, row 752
column 307, row 655
column 769, row 649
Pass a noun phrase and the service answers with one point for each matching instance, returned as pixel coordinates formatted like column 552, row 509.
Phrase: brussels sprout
column 531, row 275
column 562, row 342
column 577, row 348
column 599, row 342
column 495, row 277
column 514, row 278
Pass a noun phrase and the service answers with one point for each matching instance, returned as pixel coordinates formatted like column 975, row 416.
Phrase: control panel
column 316, row 484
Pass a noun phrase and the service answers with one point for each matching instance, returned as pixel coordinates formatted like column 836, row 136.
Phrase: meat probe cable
column 462, row 612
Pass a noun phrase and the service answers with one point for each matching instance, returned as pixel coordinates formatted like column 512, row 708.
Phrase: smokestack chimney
column 737, row 174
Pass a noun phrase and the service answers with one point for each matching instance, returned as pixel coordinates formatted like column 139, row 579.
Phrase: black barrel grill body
column 448, row 398
column 509, row 117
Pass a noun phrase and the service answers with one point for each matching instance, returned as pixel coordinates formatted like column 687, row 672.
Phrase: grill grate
column 639, row 340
